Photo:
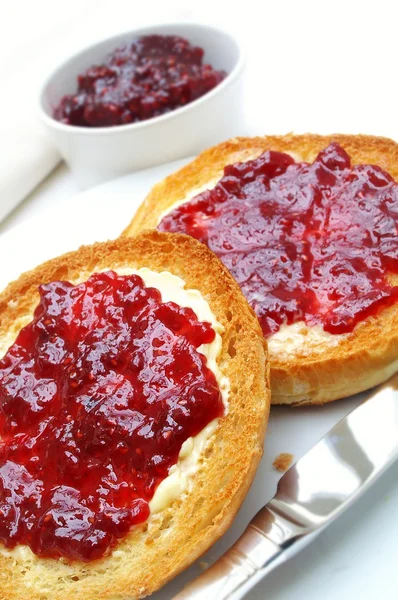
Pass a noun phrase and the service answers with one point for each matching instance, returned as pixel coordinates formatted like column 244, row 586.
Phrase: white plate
column 98, row 214
column 354, row 557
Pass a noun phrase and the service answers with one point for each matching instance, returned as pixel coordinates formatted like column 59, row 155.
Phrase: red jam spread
column 147, row 78
column 313, row 242
column 97, row 395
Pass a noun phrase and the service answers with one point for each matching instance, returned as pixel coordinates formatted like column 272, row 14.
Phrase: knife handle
column 302, row 508
column 259, row 549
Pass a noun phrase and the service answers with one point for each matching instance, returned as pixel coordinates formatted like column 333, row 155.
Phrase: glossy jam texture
column 147, row 78
column 97, row 395
column 314, row 242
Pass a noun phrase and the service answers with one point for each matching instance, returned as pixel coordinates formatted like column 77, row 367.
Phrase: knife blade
column 310, row 496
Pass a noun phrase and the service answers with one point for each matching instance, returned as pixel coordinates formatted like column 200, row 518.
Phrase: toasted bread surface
column 170, row 540
column 316, row 371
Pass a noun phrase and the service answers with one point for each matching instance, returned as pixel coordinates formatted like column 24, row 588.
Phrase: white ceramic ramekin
column 98, row 154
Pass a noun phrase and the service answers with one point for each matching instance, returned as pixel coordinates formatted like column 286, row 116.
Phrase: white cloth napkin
column 26, row 153
column 26, row 158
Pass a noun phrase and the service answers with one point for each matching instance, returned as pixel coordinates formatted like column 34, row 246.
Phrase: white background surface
column 312, row 66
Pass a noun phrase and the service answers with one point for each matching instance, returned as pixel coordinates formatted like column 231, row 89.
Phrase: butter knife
column 311, row 494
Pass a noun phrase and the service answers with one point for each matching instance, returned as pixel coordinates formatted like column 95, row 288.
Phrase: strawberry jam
column 144, row 79
column 313, row 242
column 97, row 395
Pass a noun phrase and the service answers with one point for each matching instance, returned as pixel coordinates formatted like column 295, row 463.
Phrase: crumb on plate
column 283, row 461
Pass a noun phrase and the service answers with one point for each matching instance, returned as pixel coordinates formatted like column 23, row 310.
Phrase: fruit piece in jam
column 147, row 78
column 314, row 242
column 97, row 395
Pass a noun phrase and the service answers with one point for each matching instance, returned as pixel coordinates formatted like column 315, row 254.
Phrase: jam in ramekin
column 146, row 78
